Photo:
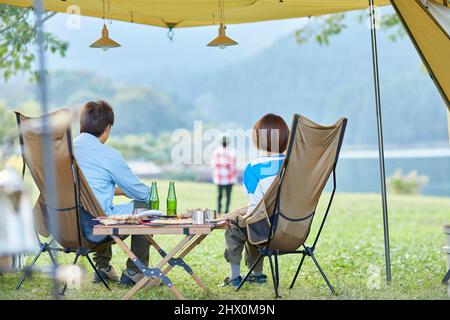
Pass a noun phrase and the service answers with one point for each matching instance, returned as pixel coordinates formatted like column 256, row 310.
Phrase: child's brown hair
column 268, row 127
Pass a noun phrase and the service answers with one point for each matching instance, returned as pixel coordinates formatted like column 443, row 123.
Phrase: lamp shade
column 105, row 42
column 222, row 40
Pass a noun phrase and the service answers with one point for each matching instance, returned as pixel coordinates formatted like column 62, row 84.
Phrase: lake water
column 358, row 171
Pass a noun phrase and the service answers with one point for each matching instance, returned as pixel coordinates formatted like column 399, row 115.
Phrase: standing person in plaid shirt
column 224, row 172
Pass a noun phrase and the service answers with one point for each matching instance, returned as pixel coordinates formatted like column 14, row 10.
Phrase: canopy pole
column 48, row 160
column 376, row 81
column 448, row 119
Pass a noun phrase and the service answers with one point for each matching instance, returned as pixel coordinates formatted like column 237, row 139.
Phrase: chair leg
column 49, row 249
column 27, row 272
column 298, row 271
column 51, row 256
column 249, row 272
column 446, row 277
column 323, row 274
column 277, row 271
column 97, row 272
column 63, row 291
column 273, row 277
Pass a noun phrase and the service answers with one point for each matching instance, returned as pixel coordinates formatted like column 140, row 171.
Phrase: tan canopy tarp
column 429, row 30
column 190, row 13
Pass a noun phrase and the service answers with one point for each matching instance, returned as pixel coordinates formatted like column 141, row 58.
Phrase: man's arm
column 236, row 213
column 127, row 182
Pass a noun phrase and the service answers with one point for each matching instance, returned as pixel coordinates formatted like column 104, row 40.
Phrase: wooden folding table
column 194, row 234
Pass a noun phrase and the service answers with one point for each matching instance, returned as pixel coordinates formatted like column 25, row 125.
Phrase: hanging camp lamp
column 222, row 41
column 105, row 42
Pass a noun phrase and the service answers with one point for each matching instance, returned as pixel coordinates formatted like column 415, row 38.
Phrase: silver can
column 210, row 215
column 198, row 217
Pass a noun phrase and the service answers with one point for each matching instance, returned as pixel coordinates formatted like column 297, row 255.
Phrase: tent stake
column 376, row 81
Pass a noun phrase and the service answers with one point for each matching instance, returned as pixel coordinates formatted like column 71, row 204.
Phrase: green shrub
column 410, row 183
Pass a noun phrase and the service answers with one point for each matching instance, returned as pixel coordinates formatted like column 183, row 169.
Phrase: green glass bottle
column 171, row 200
column 154, row 199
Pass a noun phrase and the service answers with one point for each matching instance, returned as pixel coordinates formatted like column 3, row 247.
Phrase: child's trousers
column 236, row 240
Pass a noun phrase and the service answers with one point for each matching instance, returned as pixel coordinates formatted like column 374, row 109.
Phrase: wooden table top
column 145, row 229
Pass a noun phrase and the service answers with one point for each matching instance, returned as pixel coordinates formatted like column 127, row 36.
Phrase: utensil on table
column 198, row 217
column 210, row 215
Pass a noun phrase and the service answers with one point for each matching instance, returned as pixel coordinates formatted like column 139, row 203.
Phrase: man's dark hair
column 271, row 126
column 95, row 116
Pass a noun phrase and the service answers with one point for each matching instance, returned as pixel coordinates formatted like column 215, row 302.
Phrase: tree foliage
column 323, row 28
column 17, row 38
column 144, row 146
column 7, row 125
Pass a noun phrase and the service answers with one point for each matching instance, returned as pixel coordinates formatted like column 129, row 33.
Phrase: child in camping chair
column 270, row 136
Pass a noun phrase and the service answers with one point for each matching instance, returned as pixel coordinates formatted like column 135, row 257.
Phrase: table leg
column 135, row 289
column 178, row 260
column 142, row 283
column 150, row 273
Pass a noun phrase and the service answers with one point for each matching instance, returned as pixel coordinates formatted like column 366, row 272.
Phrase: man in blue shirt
column 108, row 175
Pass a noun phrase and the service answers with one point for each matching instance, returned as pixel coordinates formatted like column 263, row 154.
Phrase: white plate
column 151, row 213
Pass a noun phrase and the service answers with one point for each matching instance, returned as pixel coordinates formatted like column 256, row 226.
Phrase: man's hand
column 119, row 192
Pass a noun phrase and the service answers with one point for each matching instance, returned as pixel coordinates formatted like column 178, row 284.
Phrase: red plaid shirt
column 223, row 164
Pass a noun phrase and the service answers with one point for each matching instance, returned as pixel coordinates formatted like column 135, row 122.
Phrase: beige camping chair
column 281, row 222
column 72, row 222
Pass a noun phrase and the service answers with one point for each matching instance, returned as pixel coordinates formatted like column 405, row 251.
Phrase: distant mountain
column 328, row 82
column 321, row 82
column 138, row 109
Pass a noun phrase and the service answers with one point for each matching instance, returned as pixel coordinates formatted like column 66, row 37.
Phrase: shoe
column 108, row 274
column 232, row 283
column 130, row 278
column 257, row 279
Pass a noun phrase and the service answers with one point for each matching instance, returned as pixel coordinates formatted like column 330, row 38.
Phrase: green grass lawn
column 350, row 251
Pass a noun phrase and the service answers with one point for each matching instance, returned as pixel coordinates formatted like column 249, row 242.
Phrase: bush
column 411, row 183
column 143, row 147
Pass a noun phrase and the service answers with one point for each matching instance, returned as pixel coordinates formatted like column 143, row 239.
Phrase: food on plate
column 172, row 221
column 187, row 214
column 120, row 219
